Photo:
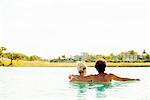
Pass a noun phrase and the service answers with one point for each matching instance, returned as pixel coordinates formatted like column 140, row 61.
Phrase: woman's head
column 81, row 67
column 100, row 65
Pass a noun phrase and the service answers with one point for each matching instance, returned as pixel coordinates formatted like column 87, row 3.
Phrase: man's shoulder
column 111, row 74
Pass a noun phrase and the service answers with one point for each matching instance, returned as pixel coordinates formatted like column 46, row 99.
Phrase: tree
column 1, row 54
column 147, row 56
column 108, row 57
column 12, row 56
column 34, row 57
column 1, row 50
column 144, row 51
column 63, row 57
column 132, row 52
column 9, row 55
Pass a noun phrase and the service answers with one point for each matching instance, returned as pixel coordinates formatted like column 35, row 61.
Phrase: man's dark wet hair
column 100, row 66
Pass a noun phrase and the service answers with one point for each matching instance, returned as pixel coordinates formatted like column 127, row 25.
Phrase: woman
column 81, row 67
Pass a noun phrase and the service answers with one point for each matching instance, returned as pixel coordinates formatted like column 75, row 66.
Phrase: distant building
column 127, row 56
column 77, row 58
column 115, row 58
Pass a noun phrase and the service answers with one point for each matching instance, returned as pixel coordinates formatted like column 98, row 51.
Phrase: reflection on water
column 98, row 88
column 81, row 89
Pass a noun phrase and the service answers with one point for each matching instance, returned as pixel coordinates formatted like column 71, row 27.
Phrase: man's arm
column 75, row 78
column 117, row 78
column 70, row 76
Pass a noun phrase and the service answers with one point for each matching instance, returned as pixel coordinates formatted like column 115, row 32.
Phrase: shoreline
column 21, row 63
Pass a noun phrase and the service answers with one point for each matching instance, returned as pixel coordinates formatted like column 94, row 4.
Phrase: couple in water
column 100, row 77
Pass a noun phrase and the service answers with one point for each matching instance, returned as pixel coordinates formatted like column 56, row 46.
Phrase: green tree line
column 129, row 56
column 16, row 56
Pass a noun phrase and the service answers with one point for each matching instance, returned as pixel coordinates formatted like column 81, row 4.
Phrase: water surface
column 51, row 83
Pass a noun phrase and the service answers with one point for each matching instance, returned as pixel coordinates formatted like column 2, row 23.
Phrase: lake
column 51, row 83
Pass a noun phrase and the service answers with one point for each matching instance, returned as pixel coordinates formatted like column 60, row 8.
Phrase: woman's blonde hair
column 80, row 66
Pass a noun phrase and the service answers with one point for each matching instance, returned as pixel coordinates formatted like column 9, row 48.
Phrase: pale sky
column 50, row 28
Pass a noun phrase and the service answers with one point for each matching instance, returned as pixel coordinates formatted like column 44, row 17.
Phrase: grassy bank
column 21, row 63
